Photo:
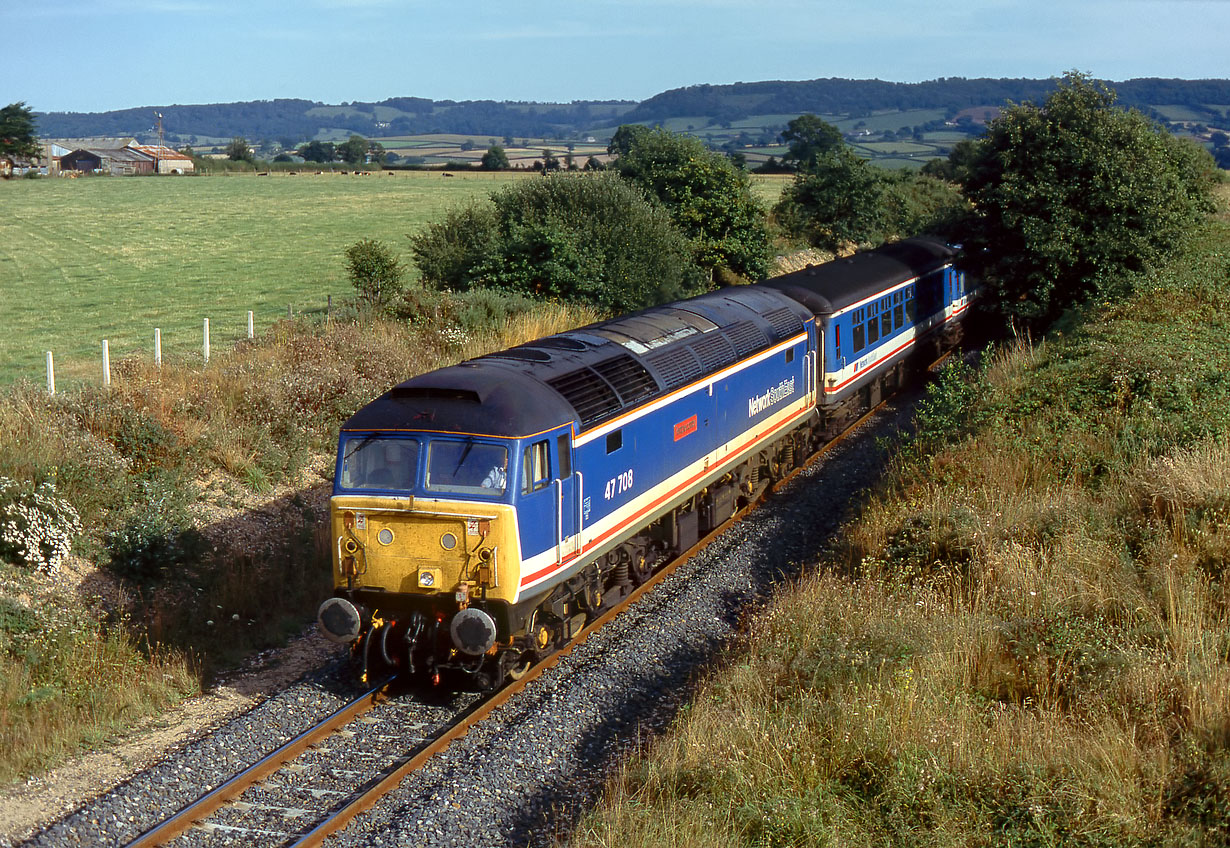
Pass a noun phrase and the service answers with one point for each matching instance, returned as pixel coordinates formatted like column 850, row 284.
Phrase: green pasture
column 114, row 257
column 1181, row 113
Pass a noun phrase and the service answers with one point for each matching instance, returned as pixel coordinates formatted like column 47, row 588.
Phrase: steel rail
column 211, row 801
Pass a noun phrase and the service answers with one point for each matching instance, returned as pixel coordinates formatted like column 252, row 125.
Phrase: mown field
column 113, row 258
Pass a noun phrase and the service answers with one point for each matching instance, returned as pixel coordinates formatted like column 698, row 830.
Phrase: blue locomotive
column 482, row 513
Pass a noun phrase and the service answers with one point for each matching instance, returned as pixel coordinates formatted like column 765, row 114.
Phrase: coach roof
column 833, row 286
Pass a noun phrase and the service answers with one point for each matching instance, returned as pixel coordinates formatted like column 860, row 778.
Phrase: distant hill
column 761, row 106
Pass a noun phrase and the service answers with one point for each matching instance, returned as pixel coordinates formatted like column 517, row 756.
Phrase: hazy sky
column 95, row 55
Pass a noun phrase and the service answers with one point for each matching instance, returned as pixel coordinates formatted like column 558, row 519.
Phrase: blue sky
column 95, row 55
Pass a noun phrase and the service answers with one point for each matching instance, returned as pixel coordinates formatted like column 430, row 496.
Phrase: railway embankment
column 1022, row 637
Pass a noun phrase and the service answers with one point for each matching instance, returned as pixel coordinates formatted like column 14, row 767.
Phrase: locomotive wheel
column 640, row 570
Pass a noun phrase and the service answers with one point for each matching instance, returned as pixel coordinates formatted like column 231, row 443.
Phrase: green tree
column 18, row 136
column 837, row 201
column 589, row 238
column 375, row 272
column 809, row 138
column 318, row 151
column 239, row 150
column 709, row 198
column 625, row 138
column 354, row 150
column 495, row 159
column 1073, row 196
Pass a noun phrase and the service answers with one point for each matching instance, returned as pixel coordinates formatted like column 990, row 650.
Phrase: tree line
column 1059, row 201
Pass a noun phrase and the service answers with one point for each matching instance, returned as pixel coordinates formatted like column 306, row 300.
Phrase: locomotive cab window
column 536, row 470
column 563, row 449
column 374, row 462
column 467, row 467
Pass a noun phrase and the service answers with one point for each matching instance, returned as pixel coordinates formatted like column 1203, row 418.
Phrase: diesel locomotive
column 483, row 513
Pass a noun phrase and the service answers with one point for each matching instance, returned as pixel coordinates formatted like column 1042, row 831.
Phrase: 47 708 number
column 618, row 485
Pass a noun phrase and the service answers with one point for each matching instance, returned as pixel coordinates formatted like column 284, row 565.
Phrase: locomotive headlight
column 385, row 536
column 429, row 578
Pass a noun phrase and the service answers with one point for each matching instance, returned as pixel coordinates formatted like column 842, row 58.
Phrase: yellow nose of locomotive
column 403, row 546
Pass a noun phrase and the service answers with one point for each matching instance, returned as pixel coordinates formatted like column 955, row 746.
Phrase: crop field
column 113, row 258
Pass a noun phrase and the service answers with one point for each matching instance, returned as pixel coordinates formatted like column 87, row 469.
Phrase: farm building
column 168, row 161
column 122, row 161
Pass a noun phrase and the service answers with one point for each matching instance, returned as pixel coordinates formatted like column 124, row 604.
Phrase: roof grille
column 713, row 351
column 785, row 322
column 676, row 367
column 590, row 396
column 747, row 337
column 628, row 377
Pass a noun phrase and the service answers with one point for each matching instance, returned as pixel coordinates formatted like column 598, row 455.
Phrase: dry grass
column 1026, row 637
column 203, row 487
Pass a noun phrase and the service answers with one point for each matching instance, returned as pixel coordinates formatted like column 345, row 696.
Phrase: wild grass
column 1024, row 638
column 202, row 489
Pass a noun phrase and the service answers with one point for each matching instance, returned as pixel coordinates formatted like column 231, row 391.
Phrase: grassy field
column 113, row 258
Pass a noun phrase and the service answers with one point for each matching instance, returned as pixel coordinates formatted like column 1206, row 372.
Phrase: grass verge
column 201, row 492
column 1024, row 640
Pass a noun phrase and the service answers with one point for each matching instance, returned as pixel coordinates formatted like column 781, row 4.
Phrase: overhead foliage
column 709, row 198
column 589, row 238
column 1074, row 195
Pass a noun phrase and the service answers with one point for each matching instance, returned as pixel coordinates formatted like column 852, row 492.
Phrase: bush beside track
column 1024, row 640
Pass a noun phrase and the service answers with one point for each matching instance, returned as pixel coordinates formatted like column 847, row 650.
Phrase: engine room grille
column 589, row 394
column 785, row 322
column 628, row 377
column 713, row 351
column 677, row 366
column 747, row 338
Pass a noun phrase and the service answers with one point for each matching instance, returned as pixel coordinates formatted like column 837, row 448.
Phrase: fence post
column 290, row 311
column 329, row 309
column 51, row 375
column 206, row 341
column 251, row 334
column 158, row 347
column 106, row 364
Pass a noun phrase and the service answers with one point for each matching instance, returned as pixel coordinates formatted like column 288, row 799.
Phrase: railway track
column 315, row 784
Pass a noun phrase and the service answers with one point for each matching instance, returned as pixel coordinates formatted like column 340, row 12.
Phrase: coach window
column 564, row 450
column 898, row 313
column 886, row 322
column 614, row 441
column 536, row 472
column 909, row 304
column 860, row 332
column 873, row 329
